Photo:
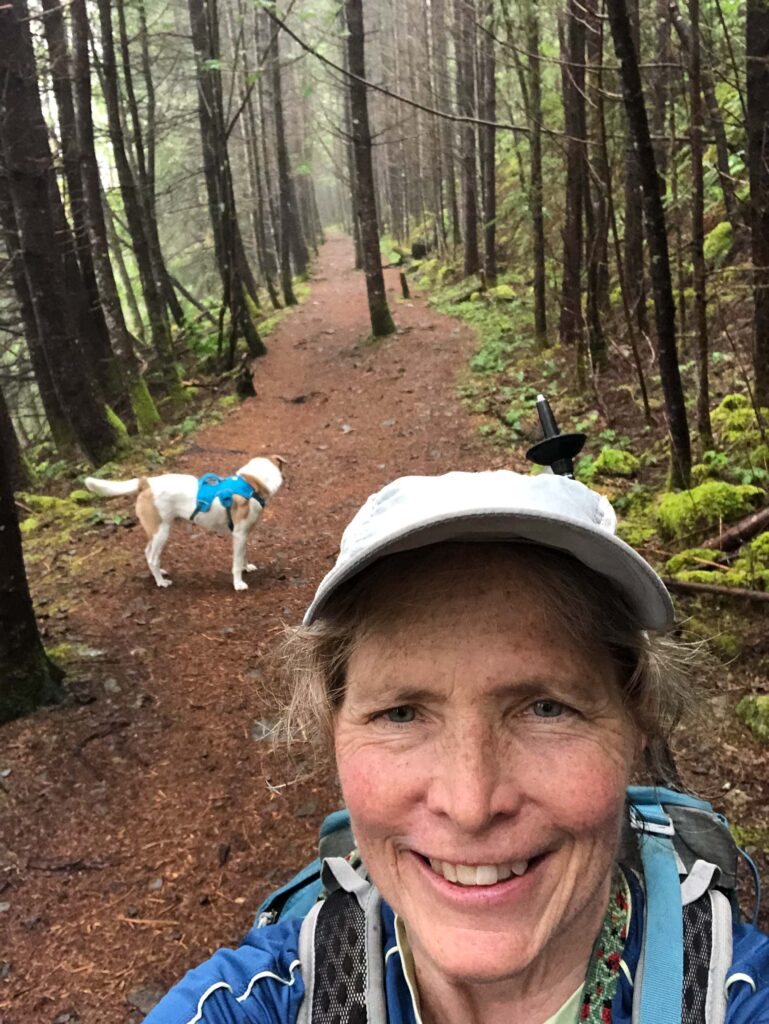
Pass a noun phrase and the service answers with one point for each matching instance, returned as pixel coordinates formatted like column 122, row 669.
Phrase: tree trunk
column 379, row 311
column 635, row 282
column 9, row 443
column 443, row 94
column 27, row 160
column 664, row 305
column 691, row 41
column 236, row 279
column 464, row 45
column 123, row 341
column 287, row 212
column 61, row 429
column 757, row 87
column 596, row 187
column 536, row 191
column 698, row 232
column 572, row 324
column 488, row 147
column 93, row 328
column 160, row 330
column 145, row 180
column 27, row 678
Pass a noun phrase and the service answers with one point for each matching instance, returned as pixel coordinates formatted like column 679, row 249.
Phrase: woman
column 480, row 659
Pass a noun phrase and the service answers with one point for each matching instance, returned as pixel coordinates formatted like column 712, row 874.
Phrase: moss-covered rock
column 502, row 293
column 734, row 421
column 753, row 711
column 616, row 462
column 688, row 513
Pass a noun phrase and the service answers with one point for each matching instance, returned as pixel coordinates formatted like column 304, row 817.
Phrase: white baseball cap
column 497, row 505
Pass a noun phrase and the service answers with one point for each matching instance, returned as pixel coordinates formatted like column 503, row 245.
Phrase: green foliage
column 753, row 711
column 616, row 462
column 718, row 244
column 502, row 293
column 686, row 513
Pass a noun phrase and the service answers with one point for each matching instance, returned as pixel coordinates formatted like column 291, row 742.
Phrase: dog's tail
column 112, row 488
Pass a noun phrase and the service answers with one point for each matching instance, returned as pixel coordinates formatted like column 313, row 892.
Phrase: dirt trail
column 143, row 822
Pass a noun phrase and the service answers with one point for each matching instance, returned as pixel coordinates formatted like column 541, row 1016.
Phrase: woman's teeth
column 483, row 874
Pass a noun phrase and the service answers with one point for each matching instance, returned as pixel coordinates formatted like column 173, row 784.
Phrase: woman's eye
column 548, row 708
column 401, row 715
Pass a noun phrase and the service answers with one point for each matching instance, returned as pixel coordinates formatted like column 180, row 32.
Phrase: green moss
column 30, row 524
column 685, row 513
column 119, row 428
column 718, row 244
column 143, row 405
column 475, row 297
column 502, row 293
column 615, row 462
column 81, row 497
column 691, row 558
column 726, row 645
column 734, row 420
column 759, row 550
column 751, row 835
column 753, row 711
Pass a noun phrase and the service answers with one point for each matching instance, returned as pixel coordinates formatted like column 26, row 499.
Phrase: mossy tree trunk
column 365, row 197
column 656, row 233
column 27, row 678
column 35, row 198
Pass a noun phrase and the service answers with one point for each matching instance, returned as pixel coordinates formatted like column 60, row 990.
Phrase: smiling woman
column 480, row 663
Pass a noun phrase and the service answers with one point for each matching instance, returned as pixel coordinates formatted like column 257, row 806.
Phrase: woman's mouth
column 481, row 874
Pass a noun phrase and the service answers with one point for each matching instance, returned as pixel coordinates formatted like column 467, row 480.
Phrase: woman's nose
column 472, row 783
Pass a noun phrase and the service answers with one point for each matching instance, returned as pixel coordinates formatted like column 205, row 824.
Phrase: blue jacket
column 261, row 982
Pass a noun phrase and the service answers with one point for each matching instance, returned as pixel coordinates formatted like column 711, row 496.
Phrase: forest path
column 144, row 821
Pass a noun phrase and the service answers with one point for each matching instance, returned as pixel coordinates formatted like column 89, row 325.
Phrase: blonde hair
column 653, row 672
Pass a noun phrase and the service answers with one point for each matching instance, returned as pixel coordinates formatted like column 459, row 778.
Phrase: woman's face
column 483, row 758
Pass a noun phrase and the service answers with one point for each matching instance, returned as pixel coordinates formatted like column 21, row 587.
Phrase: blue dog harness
column 211, row 486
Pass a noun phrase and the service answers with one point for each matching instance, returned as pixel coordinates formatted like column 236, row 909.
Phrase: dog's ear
column 281, row 462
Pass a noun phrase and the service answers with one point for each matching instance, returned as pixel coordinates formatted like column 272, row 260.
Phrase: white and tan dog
column 162, row 499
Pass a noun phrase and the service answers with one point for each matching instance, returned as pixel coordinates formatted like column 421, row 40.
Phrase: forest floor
column 145, row 818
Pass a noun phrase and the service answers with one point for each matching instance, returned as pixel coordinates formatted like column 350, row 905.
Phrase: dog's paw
column 240, row 585
column 250, row 567
column 164, row 582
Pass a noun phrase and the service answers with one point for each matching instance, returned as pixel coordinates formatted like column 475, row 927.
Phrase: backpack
column 677, row 843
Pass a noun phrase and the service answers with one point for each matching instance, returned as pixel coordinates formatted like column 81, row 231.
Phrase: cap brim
column 596, row 548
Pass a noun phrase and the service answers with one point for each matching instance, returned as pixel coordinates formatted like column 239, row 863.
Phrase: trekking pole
column 555, row 450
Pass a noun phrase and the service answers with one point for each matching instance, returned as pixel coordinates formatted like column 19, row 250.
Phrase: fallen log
column 712, row 588
column 736, row 535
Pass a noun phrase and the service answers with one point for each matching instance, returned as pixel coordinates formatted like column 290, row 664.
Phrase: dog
column 162, row 499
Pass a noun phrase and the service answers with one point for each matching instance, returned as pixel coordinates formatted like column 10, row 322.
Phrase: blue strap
column 663, row 948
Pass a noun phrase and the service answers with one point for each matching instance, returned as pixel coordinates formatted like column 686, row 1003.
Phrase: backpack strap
column 662, row 953
column 340, row 950
column 707, row 927
column 687, row 943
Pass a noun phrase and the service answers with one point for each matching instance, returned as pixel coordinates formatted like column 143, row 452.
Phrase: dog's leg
column 239, row 540
column 154, row 550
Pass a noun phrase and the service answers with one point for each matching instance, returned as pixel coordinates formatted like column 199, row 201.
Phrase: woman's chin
column 474, row 957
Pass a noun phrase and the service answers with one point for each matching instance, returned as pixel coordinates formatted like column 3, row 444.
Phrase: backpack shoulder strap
column 687, row 942
column 340, row 950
